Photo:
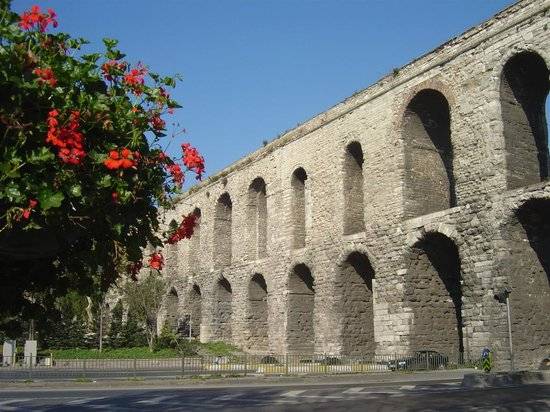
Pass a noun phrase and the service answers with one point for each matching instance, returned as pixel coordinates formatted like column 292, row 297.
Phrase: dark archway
column 223, row 314
column 257, row 218
column 298, row 208
column 300, row 307
column 523, row 90
column 258, row 314
column 354, row 219
column 172, row 309
column 195, row 244
column 195, row 310
column 429, row 179
column 223, row 233
column 526, row 265
column 433, row 292
column 354, row 288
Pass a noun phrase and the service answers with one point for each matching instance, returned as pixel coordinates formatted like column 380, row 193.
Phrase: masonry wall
column 415, row 185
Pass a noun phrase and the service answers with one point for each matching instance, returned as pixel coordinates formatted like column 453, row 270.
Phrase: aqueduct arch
column 526, row 267
column 354, row 218
column 433, row 292
column 223, row 310
column 223, row 231
column 354, row 288
column 194, row 305
column 523, row 91
column 258, row 313
column 429, row 177
column 300, row 332
column 257, row 218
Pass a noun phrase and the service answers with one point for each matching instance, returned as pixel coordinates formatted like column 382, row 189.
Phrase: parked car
column 422, row 359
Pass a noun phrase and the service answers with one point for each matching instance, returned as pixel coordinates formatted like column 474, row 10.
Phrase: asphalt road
column 372, row 397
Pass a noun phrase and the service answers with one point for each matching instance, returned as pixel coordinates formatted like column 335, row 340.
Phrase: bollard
column 182, row 366
column 135, row 368
column 245, row 363
column 286, row 364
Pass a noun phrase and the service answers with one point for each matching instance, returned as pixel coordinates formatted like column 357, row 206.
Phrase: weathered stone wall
column 446, row 151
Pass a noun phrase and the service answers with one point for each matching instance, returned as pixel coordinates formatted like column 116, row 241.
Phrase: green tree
column 145, row 299
column 81, row 168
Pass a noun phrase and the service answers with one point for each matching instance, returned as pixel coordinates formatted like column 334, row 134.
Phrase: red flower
column 122, row 160
column 113, row 68
column 114, row 196
column 193, row 160
column 68, row 139
column 134, row 79
column 27, row 212
column 177, row 174
column 34, row 18
column 185, row 229
column 45, row 76
column 156, row 261
column 157, row 122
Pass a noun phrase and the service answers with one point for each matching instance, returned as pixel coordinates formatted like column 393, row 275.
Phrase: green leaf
column 76, row 191
column 40, row 156
column 105, row 181
column 110, row 43
column 12, row 193
column 49, row 199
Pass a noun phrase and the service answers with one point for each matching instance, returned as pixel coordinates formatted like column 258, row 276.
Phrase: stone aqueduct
column 385, row 224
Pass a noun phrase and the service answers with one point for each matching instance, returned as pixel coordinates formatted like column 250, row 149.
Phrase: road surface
column 428, row 396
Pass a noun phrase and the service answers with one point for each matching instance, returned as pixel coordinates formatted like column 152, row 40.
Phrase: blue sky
column 253, row 69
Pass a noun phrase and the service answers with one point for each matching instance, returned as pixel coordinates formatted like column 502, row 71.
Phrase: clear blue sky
column 253, row 69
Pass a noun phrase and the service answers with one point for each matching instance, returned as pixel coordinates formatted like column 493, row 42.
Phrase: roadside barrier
column 49, row 368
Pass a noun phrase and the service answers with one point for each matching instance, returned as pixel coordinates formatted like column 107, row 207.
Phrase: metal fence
column 40, row 367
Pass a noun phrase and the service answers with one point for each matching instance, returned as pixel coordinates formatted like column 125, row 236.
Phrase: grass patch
column 188, row 348
column 121, row 353
column 218, row 348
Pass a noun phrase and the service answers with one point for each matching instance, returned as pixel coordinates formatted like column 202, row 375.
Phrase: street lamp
column 503, row 297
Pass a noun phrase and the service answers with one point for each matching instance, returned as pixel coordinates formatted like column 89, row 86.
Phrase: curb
column 502, row 379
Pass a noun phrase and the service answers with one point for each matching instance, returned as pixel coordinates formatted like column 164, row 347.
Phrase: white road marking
column 85, row 400
column 155, row 401
column 292, row 394
column 354, row 390
column 4, row 404
column 407, row 387
column 228, row 397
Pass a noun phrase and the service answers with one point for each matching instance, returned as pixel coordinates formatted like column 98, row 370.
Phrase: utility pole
column 503, row 297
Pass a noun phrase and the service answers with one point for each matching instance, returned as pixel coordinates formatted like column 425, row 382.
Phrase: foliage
column 142, row 352
column 116, row 326
column 145, row 298
column 132, row 333
column 82, row 171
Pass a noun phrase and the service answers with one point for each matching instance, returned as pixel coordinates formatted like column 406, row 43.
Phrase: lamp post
column 503, row 297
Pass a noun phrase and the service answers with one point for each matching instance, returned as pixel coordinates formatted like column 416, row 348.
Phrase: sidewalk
column 372, row 378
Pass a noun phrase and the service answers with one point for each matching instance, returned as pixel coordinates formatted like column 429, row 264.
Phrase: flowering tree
column 82, row 172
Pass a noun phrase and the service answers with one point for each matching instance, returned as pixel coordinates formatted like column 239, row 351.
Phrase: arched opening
column 429, row 179
column 353, row 189
column 195, row 310
column 172, row 309
column 223, row 310
column 354, row 286
column 301, row 302
column 195, row 243
column 223, row 231
column 434, row 294
column 523, row 92
column 257, row 218
column 299, row 208
column 526, row 265
column 258, row 314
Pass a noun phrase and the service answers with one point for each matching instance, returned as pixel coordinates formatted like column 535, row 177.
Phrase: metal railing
column 47, row 367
